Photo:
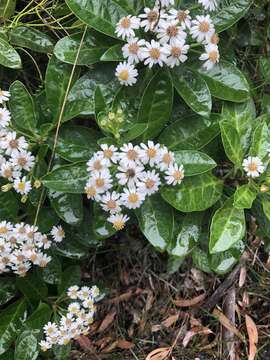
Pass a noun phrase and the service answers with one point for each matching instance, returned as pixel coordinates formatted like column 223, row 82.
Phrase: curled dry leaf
column 195, row 331
column 190, row 302
column 252, row 337
column 171, row 320
column 106, row 322
column 227, row 324
column 158, row 354
column 242, row 276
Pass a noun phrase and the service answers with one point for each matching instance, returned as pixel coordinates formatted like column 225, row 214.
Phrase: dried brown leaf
column 252, row 337
column 195, row 331
column 227, row 324
column 242, row 276
column 171, row 320
column 158, row 354
column 124, row 344
column 106, row 322
column 190, row 302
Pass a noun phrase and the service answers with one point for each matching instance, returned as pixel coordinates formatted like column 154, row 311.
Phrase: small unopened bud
column 117, row 136
column 120, row 119
column 111, row 116
column 24, row 199
column 7, row 187
column 264, row 188
column 119, row 111
column 103, row 123
column 37, row 184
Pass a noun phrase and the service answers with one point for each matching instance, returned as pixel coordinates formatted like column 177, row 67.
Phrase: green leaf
column 10, row 210
column 66, row 50
column 190, row 133
column 22, row 108
column 69, row 207
column 71, row 249
column 156, row 221
column 131, row 6
column 30, row 38
column 226, row 82
column 62, row 352
column 32, row 287
column 135, row 131
column 100, row 226
column 77, row 143
column 39, row 317
column 194, row 193
column 230, row 13
column 9, row 56
column 231, row 141
column 51, row 274
column 193, row 89
column 102, row 15
column 266, row 208
column 156, row 104
column 7, row 8
column 68, row 178
column 187, row 232
column 114, row 53
column 8, row 355
column 228, row 227
column 71, row 276
column 264, row 64
column 26, row 347
column 260, row 141
column 7, row 289
column 11, row 324
column 201, row 260
column 194, row 162
column 223, row 262
column 244, row 197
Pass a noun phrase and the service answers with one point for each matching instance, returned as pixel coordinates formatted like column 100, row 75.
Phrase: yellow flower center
column 91, row 191
column 7, row 173
column 111, row 204
column 155, row 53
column 150, row 183
column 177, row 175
column 167, row 158
column 13, row 144
column 125, row 23
column 133, row 48
column 21, row 186
column 181, row 16
column 100, row 182
column 172, row 31
column 3, row 230
column 132, row 154
column 123, row 75
column 61, row 233
column 151, row 152
column 108, row 153
column 253, row 166
column 213, row 56
column 118, row 225
column 152, row 16
column 214, row 39
column 204, row 26
column 133, row 198
column 175, row 52
column 97, row 165
column 22, row 161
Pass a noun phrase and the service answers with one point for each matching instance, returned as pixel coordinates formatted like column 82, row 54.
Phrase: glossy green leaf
column 135, row 131
column 100, row 104
column 201, row 260
column 241, row 117
column 114, row 53
column 156, row 104
column 190, row 133
column 244, row 197
column 71, row 249
column 39, row 317
column 194, row 162
column 30, row 38
column 22, row 108
column 194, row 193
column 156, row 221
column 7, row 8
column 186, row 234
column 102, row 15
column 101, row 228
column 264, row 63
column 10, row 210
column 77, row 143
column 228, row 227
column 226, row 82
column 231, row 12
column 193, row 89
column 9, row 56
column 266, row 208
column 71, row 276
column 260, row 141
column 231, row 141
column 68, row 178
column 62, row 352
column 223, row 262
column 32, row 287
column 7, row 290
column 11, row 324
column 51, row 274
column 26, row 347
column 67, row 47
column 8, row 355
column 69, row 207
column 131, row 6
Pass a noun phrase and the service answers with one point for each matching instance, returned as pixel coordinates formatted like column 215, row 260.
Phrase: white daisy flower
column 50, row 328
column 84, row 293
column 5, row 228
column 22, row 186
column 10, row 143
column 253, row 166
column 169, row 31
column 166, row 158
column 174, row 174
column 126, row 74
column 42, row 260
column 211, row 39
column 210, row 5
column 202, row 27
column 97, row 163
column 91, row 190
column 4, row 117
column 118, row 221
column 126, row 26
column 182, row 16
column 210, row 56
column 176, row 52
column 150, row 182
column 73, row 292
column 102, row 180
column 74, row 308
column 8, row 171
column 58, row 233
column 132, row 198
column 4, row 96
column 153, row 53
column 149, row 153
column 129, row 154
column 110, row 202
column 109, row 152
column 132, row 50
column 165, row 3
column 22, row 160
column 129, row 174
column 45, row 345
column 150, row 18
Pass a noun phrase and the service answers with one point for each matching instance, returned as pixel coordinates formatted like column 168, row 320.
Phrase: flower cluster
column 123, row 178
column 15, row 159
column 22, row 245
column 167, row 45
column 76, row 321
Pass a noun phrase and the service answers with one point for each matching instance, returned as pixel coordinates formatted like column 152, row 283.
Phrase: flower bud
column 7, row 187
column 111, row 116
column 264, row 188
column 24, row 199
column 37, row 184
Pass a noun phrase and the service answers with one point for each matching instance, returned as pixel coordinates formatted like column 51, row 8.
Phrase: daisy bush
column 142, row 120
